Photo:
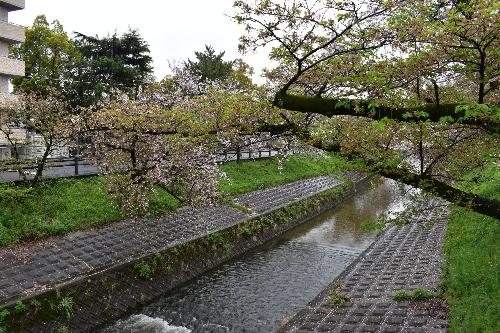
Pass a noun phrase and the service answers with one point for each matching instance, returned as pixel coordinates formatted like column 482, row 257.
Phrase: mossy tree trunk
column 365, row 108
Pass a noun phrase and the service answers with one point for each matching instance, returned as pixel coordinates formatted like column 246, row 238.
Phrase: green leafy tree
column 210, row 65
column 111, row 66
column 50, row 56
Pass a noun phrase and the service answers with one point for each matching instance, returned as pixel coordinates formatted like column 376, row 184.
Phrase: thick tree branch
column 482, row 205
column 364, row 108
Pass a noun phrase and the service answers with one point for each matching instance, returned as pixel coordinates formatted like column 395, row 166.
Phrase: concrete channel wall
column 94, row 300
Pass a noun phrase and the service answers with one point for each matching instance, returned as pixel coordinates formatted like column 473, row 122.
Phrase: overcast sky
column 174, row 29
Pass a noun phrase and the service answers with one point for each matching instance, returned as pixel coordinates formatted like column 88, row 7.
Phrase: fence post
column 76, row 164
column 238, row 155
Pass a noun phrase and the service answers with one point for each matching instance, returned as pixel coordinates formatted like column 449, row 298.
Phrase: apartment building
column 9, row 34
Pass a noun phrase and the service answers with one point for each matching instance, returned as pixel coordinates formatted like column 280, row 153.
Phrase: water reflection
column 343, row 226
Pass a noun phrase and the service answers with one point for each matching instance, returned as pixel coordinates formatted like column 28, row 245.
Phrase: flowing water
column 258, row 290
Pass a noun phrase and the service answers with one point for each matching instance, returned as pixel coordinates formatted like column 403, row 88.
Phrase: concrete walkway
column 66, row 168
column 27, row 270
column 403, row 258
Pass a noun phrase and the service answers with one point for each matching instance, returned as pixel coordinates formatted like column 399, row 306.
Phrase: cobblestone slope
column 29, row 270
column 403, row 258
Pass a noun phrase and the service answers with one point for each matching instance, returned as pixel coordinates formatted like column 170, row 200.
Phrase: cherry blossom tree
column 463, row 33
column 170, row 138
column 360, row 63
column 47, row 116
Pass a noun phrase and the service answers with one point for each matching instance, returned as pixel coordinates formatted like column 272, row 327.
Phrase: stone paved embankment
column 403, row 258
column 26, row 271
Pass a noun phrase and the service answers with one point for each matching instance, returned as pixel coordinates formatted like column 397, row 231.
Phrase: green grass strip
column 472, row 272
column 57, row 207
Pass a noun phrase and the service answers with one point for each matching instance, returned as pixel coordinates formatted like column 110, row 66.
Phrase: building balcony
column 11, row 67
column 12, row 5
column 11, row 33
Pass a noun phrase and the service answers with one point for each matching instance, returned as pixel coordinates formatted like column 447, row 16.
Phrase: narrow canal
column 253, row 293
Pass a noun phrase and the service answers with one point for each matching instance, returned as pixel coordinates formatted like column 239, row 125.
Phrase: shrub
column 4, row 314
column 400, row 295
column 144, row 270
column 62, row 329
column 20, row 307
column 336, row 299
column 65, row 307
column 421, row 294
column 36, row 304
column 418, row 294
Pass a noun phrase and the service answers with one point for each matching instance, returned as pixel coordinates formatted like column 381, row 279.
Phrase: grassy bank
column 57, row 207
column 472, row 274
column 255, row 175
